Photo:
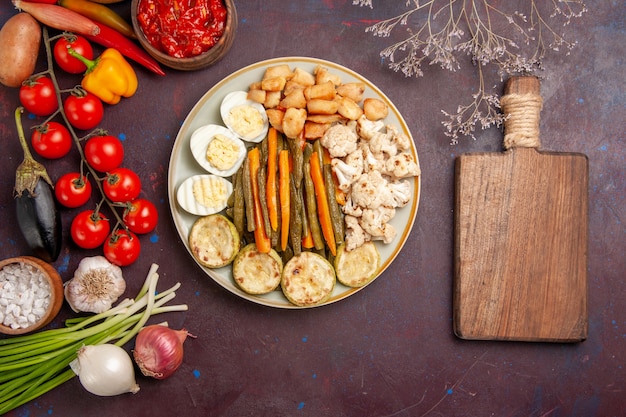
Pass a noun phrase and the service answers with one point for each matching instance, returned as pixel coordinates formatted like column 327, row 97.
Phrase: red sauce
column 182, row 28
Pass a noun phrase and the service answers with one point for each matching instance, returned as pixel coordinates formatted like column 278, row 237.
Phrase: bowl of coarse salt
column 31, row 294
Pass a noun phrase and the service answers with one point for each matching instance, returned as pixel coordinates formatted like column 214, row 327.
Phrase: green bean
column 239, row 211
column 247, row 195
column 295, row 219
column 335, row 212
column 311, row 209
column 263, row 151
column 306, row 152
column 276, row 234
column 317, row 147
column 303, row 215
column 262, row 179
column 297, row 157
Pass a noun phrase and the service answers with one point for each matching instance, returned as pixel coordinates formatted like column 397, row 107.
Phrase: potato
column 319, row 106
column 353, row 91
column 375, row 109
column 20, row 38
column 324, row 91
column 325, row 118
column 291, row 86
column 275, row 117
column 314, row 130
column 282, row 70
column 349, row 109
column 322, row 75
column 257, row 95
column 294, row 99
column 272, row 99
column 303, row 77
column 273, row 84
column 293, row 122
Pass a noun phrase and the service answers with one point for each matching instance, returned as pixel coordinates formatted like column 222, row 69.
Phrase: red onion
column 159, row 350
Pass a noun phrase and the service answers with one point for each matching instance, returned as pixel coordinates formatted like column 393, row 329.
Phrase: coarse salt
column 24, row 295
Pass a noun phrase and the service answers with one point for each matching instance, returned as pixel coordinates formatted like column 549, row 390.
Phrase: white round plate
column 207, row 110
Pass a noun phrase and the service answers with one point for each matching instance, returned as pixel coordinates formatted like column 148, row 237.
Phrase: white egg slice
column 204, row 194
column 246, row 118
column 217, row 149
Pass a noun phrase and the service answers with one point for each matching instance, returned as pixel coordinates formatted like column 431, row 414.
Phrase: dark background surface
column 388, row 350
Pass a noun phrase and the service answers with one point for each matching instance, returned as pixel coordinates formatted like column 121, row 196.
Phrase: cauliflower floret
column 355, row 235
column 355, row 159
column 371, row 191
column 351, row 209
column 401, row 140
column 346, row 173
column 401, row 192
column 375, row 223
column 371, row 162
column 382, row 146
column 402, row 165
column 367, row 128
column 340, row 140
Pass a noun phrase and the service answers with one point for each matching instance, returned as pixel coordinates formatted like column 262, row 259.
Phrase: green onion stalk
column 34, row 364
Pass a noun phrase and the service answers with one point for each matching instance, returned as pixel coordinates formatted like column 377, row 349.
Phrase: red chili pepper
column 111, row 38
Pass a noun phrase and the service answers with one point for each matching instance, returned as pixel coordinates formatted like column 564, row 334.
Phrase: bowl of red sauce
column 186, row 35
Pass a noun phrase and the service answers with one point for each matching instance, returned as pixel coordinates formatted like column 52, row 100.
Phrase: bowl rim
column 56, row 293
column 222, row 45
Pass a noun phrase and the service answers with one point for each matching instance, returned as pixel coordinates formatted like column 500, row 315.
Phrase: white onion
column 105, row 370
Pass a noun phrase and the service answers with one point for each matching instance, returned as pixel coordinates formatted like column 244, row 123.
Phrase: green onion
column 34, row 364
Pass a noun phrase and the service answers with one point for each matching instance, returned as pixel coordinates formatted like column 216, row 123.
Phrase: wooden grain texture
column 521, row 246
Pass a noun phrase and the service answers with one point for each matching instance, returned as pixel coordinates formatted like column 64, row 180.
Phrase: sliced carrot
column 263, row 242
column 326, row 156
column 322, row 203
column 307, row 239
column 270, row 192
column 283, row 190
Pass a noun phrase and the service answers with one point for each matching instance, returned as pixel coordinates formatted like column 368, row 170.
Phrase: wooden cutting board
column 521, row 221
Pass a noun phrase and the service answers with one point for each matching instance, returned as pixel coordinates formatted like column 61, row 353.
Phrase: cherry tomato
column 122, row 248
column 67, row 62
column 72, row 190
column 52, row 140
column 38, row 96
column 121, row 185
column 84, row 111
column 89, row 229
column 104, row 153
column 141, row 216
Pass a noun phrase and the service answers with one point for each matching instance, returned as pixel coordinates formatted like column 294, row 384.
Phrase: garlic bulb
column 96, row 285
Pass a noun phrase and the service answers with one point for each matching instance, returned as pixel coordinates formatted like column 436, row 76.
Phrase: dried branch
column 452, row 30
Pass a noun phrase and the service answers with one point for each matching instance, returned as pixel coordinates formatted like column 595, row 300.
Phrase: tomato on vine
column 104, row 153
column 121, row 185
column 122, row 248
column 84, row 111
column 67, row 62
column 38, row 96
column 72, row 190
column 90, row 229
column 52, row 140
column 141, row 216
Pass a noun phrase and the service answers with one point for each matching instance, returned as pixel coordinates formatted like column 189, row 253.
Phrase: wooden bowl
column 56, row 293
column 197, row 62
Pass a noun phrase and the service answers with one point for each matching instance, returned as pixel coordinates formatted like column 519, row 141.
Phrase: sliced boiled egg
column 204, row 194
column 245, row 117
column 217, row 149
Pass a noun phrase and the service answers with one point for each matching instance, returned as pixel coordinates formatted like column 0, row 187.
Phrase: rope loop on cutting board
column 521, row 127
